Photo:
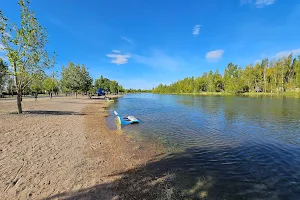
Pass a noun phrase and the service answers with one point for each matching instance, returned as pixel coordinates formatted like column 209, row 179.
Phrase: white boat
column 109, row 100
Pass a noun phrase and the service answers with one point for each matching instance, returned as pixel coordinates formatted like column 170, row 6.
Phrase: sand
column 62, row 145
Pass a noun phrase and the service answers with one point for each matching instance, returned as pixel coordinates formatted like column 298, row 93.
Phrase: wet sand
column 60, row 146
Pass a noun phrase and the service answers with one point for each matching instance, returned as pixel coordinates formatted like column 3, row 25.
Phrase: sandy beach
column 61, row 146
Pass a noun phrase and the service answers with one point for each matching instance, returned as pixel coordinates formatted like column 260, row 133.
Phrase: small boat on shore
column 126, row 120
column 109, row 100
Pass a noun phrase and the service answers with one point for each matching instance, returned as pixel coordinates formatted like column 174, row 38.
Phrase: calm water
column 224, row 147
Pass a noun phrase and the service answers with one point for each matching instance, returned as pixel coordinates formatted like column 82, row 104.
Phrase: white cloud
column 258, row 3
column 263, row 3
column 287, row 53
column 130, row 41
column 196, row 29
column 118, row 58
column 214, row 55
column 116, row 51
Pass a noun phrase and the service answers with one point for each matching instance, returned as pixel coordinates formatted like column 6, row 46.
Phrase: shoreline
column 248, row 94
column 62, row 146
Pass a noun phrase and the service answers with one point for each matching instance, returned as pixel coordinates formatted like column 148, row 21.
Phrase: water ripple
column 246, row 148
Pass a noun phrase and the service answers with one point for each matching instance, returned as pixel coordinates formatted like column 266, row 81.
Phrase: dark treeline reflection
column 242, row 172
column 279, row 109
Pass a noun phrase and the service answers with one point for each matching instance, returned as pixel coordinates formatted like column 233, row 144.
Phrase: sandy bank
column 62, row 146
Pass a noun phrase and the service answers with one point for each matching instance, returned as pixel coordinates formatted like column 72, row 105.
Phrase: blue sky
column 144, row 43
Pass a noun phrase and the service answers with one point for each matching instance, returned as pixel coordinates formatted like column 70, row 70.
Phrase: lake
column 224, row 147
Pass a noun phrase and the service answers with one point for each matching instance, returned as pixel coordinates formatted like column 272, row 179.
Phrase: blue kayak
column 126, row 120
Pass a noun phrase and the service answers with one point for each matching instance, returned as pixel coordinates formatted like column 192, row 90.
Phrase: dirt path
column 60, row 146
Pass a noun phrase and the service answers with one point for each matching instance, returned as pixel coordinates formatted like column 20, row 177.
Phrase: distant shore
column 250, row 94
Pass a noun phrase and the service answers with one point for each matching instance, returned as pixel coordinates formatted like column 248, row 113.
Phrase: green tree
column 211, row 87
column 103, row 83
column 248, row 77
column 121, row 89
column 50, row 84
column 201, row 83
column 218, row 81
column 108, row 85
column 114, row 87
column 3, row 75
column 277, row 75
column 297, row 72
column 70, row 78
column 25, row 48
column 86, row 80
column 231, row 79
column 36, row 86
column 75, row 78
column 264, row 65
column 285, row 71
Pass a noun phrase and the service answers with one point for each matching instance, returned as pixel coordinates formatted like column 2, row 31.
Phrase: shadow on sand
column 49, row 112
column 199, row 173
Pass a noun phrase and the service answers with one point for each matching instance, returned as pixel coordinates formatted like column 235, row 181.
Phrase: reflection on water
column 252, row 144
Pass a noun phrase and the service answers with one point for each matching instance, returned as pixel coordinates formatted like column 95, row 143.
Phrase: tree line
column 75, row 78
column 24, row 44
column 110, row 86
column 281, row 75
column 130, row 90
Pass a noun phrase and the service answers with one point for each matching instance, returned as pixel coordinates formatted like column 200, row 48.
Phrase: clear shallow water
column 231, row 147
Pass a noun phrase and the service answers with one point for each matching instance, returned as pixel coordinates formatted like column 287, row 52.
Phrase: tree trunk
column 19, row 90
column 19, row 103
column 271, row 88
column 76, row 94
column 50, row 95
column 282, row 79
column 265, row 84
